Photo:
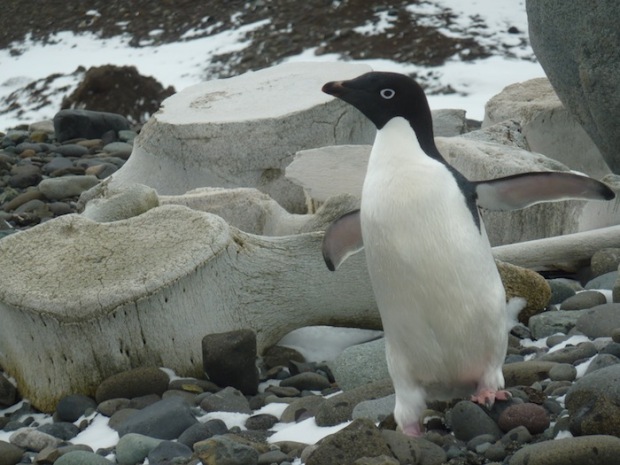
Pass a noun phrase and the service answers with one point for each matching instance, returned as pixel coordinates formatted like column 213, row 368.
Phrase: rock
column 229, row 359
column 8, row 392
column 227, row 400
column 66, row 186
column 263, row 421
column 120, row 89
column 360, row 364
column 133, row 383
column 307, row 406
column 561, row 289
column 584, row 300
column 82, row 457
column 71, row 150
column 273, row 456
column 60, row 429
column 604, row 261
column 156, row 264
column 46, row 126
column 168, row 451
column 615, row 335
column 580, row 65
column 57, row 163
column 21, row 199
column 105, row 204
column 548, row 127
column 449, row 122
column 521, row 282
column 563, row 372
column 24, row 175
column 278, row 118
column 359, row 439
column 570, row 354
column 413, row 450
column 201, row 431
column 223, row 450
column 133, row 448
column 10, row 454
column 72, row 407
column 599, row 321
column 378, row 460
column 307, row 381
column 467, row 420
column 526, row 373
column 376, row 410
column 110, row 407
column 31, row 439
column 554, row 321
column 594, row 403
column 534, row 417
column 73, row 124
column 604, row 281
column 570, row 451
column 601, row 361
column 281, row 356
column 165, row 419
column 120, row 149
column 339, row 408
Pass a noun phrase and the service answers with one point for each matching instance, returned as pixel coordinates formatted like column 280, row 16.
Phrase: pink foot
column 487, row 397
column 413, row 430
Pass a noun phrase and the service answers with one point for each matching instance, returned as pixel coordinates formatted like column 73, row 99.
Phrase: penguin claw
column 487, row 397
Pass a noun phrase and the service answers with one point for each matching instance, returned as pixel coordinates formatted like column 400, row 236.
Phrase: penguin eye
column 387, row 93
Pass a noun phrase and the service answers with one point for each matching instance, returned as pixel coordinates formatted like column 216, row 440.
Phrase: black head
column 382, row 96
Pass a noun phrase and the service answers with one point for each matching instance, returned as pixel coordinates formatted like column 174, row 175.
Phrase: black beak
column 334, row 88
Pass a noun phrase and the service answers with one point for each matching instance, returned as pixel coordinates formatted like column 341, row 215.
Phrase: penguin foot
column 487, row 397
column 412, row 430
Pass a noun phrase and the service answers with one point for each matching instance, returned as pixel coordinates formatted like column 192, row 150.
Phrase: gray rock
column 10, row 454
column 584, row 300
column 376, row 410
column 31, row 439
column 449, row 122
column 66, row 186
column 526, row 373
column 571, row 354
column 563, row 372
column 24, row 175
column 601, row 361
column 120, row 149
column 105, row 204
column 605, row 281
column 227, row 400
column 339, row 408
column 60, row 429
column 57, row 163
column 271, row 457
column 561, row 290
column 307, row 406
column 8, row 392
column 359, row 439
column 552, row 322
column 229, row 359
column 467, row 420
column 222, row 449
column 201, row 431
column 165, row 419
column 134, row 448
column 594, row 403
column 111, row 406
column 360, row 364
column 413, row 450
column 534, row 417
column 307, row 381
column 72, row 124
column 79, row 457
column 46, row 126
column 72, row 407
column 71, row 150
column 261, row 422
column 604, row 261
column 571, row 451
column 572, row 42
column 518, row 435
column 133, row 383
column 599, row 321
column 168, row 451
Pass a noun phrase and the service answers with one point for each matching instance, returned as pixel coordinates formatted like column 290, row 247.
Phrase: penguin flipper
column 342, row 239
column 525, row 189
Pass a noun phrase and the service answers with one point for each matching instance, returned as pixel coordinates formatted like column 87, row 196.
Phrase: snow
column 188, row 62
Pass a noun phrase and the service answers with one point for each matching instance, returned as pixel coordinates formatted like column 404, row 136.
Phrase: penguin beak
column 334, row 88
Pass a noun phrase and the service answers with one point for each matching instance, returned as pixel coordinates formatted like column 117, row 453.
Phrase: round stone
column 534, row 417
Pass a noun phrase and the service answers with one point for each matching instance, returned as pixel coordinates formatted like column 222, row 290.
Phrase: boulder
column 170, row 271
column 243, row 131
column 575, row 43
column 72, row 124
column 548, row 127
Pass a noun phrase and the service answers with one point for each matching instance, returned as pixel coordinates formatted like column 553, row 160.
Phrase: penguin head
column 381, row 96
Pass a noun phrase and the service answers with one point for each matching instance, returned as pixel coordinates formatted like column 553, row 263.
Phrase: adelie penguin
column 442, row 303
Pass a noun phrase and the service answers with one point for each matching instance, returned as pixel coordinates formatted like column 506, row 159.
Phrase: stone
column 521, row 282
column 66, row 186
column 201, row 431
column 526, row 373
column 88, row 124
column 156, row 264
column 10, row 454
column 120, row 149
column 534, row 417
column 413, row 450
column 307, row 405
column 339, row 408
column 467, row 420
column 553, row 322
column 133, row 383
column 561, row 290
column 548, row 127
column 46, row 126
column 72, row 407
column 601, row 361
column 570, row 354
column 376, row 410
column 223, row 450
column 449, row 122
column 599, row 321
column 227, row 400
column 71, row 150
column 563, row 372
column 21, row 199
column 360, row 364
column 359, row 439
column 594, row 403
column 133, row 448
column 307, row 381
column 229, row 359
column 105, row 204
column 79, row 457
column 60, row 429
column 273, row 456
column 581, row 65
column 604, row 281
column 169, row 451
column 262, row 421
column 570, row 451
column 31, row 439
column 24, row 175
column 165, row 419
column 280, row 356
column 8, row 392
column 584, row 300
column 258, row 106
column 604, row 261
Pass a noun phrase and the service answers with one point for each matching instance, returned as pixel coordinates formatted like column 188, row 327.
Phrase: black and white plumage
column 442, row 303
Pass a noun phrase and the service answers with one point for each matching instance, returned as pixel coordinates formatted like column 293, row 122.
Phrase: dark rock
column 571, row 354
column 560, row 291
column 601, row 361
column 57, row 163
column 229, row 359
column 194, row 385
column 166, row 419
column 613, row 348
column 281, row 356
column 594, row 403
column 307, row 381
column 554, row 321
column 563, row 372
column 467, row 420
column 80, row 457
column 281, row 391
column 22, row 198
column 71, row 150
column 573, row 43
column 518, row 435
column 134, row 448
column 111, row 406
column 604, row 261
column 309, row 405
column 10, row 454
column 226, row 400
column 571, row 451
column 526, row 373
column 8, row 392
column 25, row 175
column 119, row 417
column 61, row 430
column 72, row 124
column 599, row 321
column 72, row 407
column 201, row 431
column 413, row 450
column 534, row 417
column 262, row 421
column 584, row 300
column 223, row 450
column 605, row 281
column 144, row 401
column 133, row 383
column 168, row 450
column 615, row 335
column 273, row 456
column 359, row 439
column 121, row 89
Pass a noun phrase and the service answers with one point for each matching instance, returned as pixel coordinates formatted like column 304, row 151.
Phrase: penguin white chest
column 441, row 299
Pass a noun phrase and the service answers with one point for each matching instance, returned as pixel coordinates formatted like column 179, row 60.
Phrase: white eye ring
column 387, row 93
